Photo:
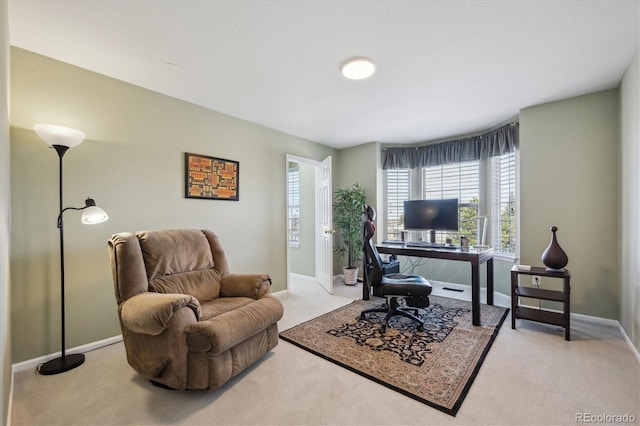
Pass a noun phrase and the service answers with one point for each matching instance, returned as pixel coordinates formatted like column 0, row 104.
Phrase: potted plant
column 348, row 212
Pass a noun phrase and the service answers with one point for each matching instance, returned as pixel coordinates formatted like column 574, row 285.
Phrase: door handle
column 329, row 231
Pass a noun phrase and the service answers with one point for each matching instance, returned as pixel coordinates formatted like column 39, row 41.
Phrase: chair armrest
column 245, row 285
column 149, row 313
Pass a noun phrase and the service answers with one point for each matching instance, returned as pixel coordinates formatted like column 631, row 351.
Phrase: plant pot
column 350, row 275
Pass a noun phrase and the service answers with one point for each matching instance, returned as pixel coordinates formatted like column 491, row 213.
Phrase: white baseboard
column 499, row 299
column 603, row 321
column 10, row 404
column 300, row 277
column 503, row 300
column 634, row 350
column 33, row 363
column 297, row 277
column 611, row 323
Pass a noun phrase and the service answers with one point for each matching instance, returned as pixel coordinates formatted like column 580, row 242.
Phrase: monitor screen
column 436, row 215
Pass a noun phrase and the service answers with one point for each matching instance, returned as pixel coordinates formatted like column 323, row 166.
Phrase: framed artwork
column 211, row 178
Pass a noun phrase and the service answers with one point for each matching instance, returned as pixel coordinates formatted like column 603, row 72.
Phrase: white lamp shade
column 358, row 68
column 93, row 215
column 59, row 135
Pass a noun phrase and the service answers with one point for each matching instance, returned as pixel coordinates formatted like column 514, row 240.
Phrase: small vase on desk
column 553, row 257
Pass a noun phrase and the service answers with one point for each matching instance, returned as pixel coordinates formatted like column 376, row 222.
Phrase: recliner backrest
column 185, row 261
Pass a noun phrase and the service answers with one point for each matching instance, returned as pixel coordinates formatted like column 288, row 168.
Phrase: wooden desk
column 473, row 256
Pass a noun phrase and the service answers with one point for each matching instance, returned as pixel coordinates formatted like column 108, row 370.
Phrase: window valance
column 496, row 142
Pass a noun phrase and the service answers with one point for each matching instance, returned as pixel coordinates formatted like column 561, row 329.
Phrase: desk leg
column 514, row 298
column 490, row 282
column 475, row 294
column 567, row 309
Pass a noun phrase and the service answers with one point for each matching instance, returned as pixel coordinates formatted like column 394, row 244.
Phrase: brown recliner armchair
column 187, row 323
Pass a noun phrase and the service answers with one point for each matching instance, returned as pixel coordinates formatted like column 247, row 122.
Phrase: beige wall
column 5, row 191
column 569, row 178
column 132, row 164
column 630, row 205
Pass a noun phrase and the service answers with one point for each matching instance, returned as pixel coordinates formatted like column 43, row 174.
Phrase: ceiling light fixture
column 358, row 68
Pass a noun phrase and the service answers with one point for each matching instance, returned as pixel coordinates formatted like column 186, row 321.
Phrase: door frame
column 316, row 164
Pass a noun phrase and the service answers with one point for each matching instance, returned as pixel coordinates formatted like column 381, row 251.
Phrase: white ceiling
column 444, row 68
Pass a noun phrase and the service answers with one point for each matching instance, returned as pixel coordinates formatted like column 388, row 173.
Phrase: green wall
column 630, row 206
column 132, row 164
column 5, row 222
column 569, row 153
column 360, row 164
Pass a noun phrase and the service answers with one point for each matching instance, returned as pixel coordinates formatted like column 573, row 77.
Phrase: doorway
column 309, row 220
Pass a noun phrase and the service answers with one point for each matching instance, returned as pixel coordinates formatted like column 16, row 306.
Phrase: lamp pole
column 64, row 362
column 61, row 139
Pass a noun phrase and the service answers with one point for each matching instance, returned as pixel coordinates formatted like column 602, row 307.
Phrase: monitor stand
column 432, row 236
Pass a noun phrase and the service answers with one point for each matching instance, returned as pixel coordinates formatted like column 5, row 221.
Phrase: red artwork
column 211, row 178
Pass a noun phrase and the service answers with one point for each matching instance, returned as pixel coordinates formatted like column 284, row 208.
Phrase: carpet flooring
column 531, row 376
column 436, row 366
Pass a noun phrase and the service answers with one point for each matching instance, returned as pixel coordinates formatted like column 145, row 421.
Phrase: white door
column 324, row 225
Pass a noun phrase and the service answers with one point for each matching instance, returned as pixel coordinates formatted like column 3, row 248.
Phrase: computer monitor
column 432, row 215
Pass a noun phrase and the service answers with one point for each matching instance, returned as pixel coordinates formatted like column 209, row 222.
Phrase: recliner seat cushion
column 230, row 328
column 221, row 305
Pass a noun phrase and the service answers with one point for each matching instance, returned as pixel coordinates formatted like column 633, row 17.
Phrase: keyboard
column 427, row 244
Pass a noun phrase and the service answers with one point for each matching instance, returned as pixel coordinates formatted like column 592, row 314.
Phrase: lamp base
column 60, row 365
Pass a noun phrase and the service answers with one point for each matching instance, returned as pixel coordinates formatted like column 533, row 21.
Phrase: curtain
column 496, row 142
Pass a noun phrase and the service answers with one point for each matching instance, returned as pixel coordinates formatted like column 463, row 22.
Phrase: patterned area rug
column 436, row 367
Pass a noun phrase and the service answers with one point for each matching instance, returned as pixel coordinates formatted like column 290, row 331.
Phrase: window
column 398, row 190
column 461, row 181
column 503, row 210
column 294, row 205
column 490, row 211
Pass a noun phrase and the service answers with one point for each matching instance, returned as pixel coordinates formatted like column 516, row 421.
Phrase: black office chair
column 414, row 289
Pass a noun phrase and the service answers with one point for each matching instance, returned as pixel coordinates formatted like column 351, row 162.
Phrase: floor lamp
column 61, row 139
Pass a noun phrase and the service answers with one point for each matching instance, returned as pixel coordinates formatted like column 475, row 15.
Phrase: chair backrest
column 373, row 269
column 186, row 261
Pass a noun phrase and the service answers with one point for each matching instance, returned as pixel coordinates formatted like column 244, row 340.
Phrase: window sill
column 505, row 257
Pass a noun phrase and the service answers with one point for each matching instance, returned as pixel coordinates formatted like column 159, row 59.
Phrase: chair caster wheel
column 383, row 329
column 362, row 317
column 420, row 328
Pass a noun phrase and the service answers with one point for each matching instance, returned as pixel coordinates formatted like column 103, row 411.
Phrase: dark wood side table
column 541, row 315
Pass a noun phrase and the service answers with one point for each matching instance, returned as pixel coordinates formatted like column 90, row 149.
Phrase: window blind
column 503, row 196
column 398, row 191
column 461, row 181
column 294, row 205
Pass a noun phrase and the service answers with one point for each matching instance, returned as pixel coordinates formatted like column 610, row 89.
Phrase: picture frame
column 211, row 178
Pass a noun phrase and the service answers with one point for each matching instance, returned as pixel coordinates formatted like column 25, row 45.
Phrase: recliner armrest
column 245, row 285
column 149, row 313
